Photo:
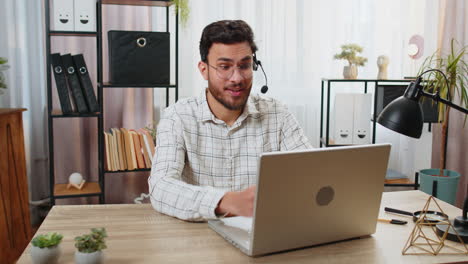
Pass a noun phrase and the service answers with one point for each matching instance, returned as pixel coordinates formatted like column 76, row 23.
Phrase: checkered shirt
column 199, row 158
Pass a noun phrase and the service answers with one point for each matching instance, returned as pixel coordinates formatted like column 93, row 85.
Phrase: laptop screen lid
column 312, row 197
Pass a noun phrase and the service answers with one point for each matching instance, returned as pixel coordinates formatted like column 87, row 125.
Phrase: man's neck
column 220, row 111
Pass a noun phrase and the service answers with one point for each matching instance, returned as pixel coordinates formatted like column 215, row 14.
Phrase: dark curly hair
column 226, row 32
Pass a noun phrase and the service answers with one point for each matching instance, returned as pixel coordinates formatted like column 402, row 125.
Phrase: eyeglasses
column 226, row 71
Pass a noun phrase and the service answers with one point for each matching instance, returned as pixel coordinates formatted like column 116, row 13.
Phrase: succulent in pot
column 89, row 247
column 46, row 248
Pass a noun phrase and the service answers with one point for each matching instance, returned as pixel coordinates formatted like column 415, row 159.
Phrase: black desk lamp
column 404, row 115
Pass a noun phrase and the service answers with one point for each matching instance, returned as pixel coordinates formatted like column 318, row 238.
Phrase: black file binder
column 85, row 81
column 61, row 83
column 74, row 83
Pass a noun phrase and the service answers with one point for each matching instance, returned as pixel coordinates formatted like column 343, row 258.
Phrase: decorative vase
column 89, row 258
column 447, row 185
column 382, row 63
column 45, row 255
column 350, row 72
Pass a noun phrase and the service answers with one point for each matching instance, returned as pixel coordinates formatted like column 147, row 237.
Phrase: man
column 207, row 148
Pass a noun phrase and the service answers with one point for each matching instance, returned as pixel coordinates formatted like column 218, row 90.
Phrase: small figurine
column 76, row 180
column 382, row 63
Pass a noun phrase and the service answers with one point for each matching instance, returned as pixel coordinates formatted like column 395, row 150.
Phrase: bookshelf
column 96, row 188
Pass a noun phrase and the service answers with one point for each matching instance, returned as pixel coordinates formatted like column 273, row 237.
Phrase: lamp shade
column 403, row 115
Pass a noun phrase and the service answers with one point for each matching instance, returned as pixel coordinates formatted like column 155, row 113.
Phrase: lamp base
column 451, row 235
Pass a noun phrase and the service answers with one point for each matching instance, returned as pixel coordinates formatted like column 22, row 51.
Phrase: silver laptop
column 311, row 197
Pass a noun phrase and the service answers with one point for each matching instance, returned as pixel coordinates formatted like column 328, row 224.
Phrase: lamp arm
column 436, row 97
column 445, row 78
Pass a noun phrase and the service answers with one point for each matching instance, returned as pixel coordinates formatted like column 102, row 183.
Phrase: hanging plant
column 182, row 8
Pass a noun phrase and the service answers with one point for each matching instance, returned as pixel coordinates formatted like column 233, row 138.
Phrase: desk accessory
column 424, row 244
column 76, row 180
column 404, row 115
column 393, row 221
column 139, row 57
column 459, row 226
column 46, row 248
column 431, row 216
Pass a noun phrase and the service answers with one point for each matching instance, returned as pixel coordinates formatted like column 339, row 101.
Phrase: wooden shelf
column 125, row 171
column 74, row 33
column 331, row 143
column 399, row 181
column 115, row 85
column 89, row 188
column 58, row 114
column 138, row 2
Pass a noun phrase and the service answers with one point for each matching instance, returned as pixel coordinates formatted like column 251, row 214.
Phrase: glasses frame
column 252, row 68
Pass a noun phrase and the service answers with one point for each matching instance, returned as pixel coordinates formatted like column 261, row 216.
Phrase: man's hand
column 237, row 203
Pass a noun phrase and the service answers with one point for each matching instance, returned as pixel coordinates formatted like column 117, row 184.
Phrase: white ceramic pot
column 45, row 255
column 89, row 258
column 350, row 72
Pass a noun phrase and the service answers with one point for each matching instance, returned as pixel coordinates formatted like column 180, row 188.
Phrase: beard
column 220, row 95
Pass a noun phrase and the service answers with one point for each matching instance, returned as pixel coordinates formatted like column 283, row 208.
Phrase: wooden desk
column 138, row 234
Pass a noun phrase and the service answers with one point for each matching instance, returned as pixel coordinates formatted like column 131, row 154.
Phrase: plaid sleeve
column 169, row 193
column 292, row 136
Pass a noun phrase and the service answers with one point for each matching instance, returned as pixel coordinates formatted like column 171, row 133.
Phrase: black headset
column 255, row 67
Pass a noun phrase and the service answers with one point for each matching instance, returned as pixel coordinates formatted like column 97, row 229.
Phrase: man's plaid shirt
column 199, row 158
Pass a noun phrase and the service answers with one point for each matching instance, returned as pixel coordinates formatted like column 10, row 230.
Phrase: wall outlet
column 85, row 15
column 63, row 19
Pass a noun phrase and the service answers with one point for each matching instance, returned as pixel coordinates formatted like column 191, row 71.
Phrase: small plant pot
column 89, row 258
column 350, row 72
column 447, row 184
column 45, row 255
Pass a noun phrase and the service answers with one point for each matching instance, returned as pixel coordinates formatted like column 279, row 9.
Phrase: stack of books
column 128, row 149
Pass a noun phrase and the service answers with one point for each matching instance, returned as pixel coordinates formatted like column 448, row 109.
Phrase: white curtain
column 21, row 41
column 297, row 40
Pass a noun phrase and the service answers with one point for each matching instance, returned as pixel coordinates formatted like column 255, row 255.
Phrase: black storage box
column 139, row 57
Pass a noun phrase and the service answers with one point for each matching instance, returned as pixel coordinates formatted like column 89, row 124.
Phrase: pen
column 393, row 221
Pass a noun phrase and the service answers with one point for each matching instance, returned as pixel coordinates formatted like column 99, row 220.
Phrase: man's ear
column 203, row 68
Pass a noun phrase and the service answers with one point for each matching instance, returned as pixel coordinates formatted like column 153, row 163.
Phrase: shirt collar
column 205, row 114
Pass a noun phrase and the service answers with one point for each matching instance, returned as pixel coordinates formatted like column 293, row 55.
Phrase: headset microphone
column 256, row 64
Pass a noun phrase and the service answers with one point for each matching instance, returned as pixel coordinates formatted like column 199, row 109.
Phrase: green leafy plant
column 3, row 67
column 182, row 8
column 455, row 67
column 89, row 243
column 349, row 53
column 47, row 241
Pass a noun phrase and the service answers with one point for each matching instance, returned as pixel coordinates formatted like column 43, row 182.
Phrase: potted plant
column 46, row 248
column 89, row 247
column 454, row 66
column 349, row 53
column 3, row 67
